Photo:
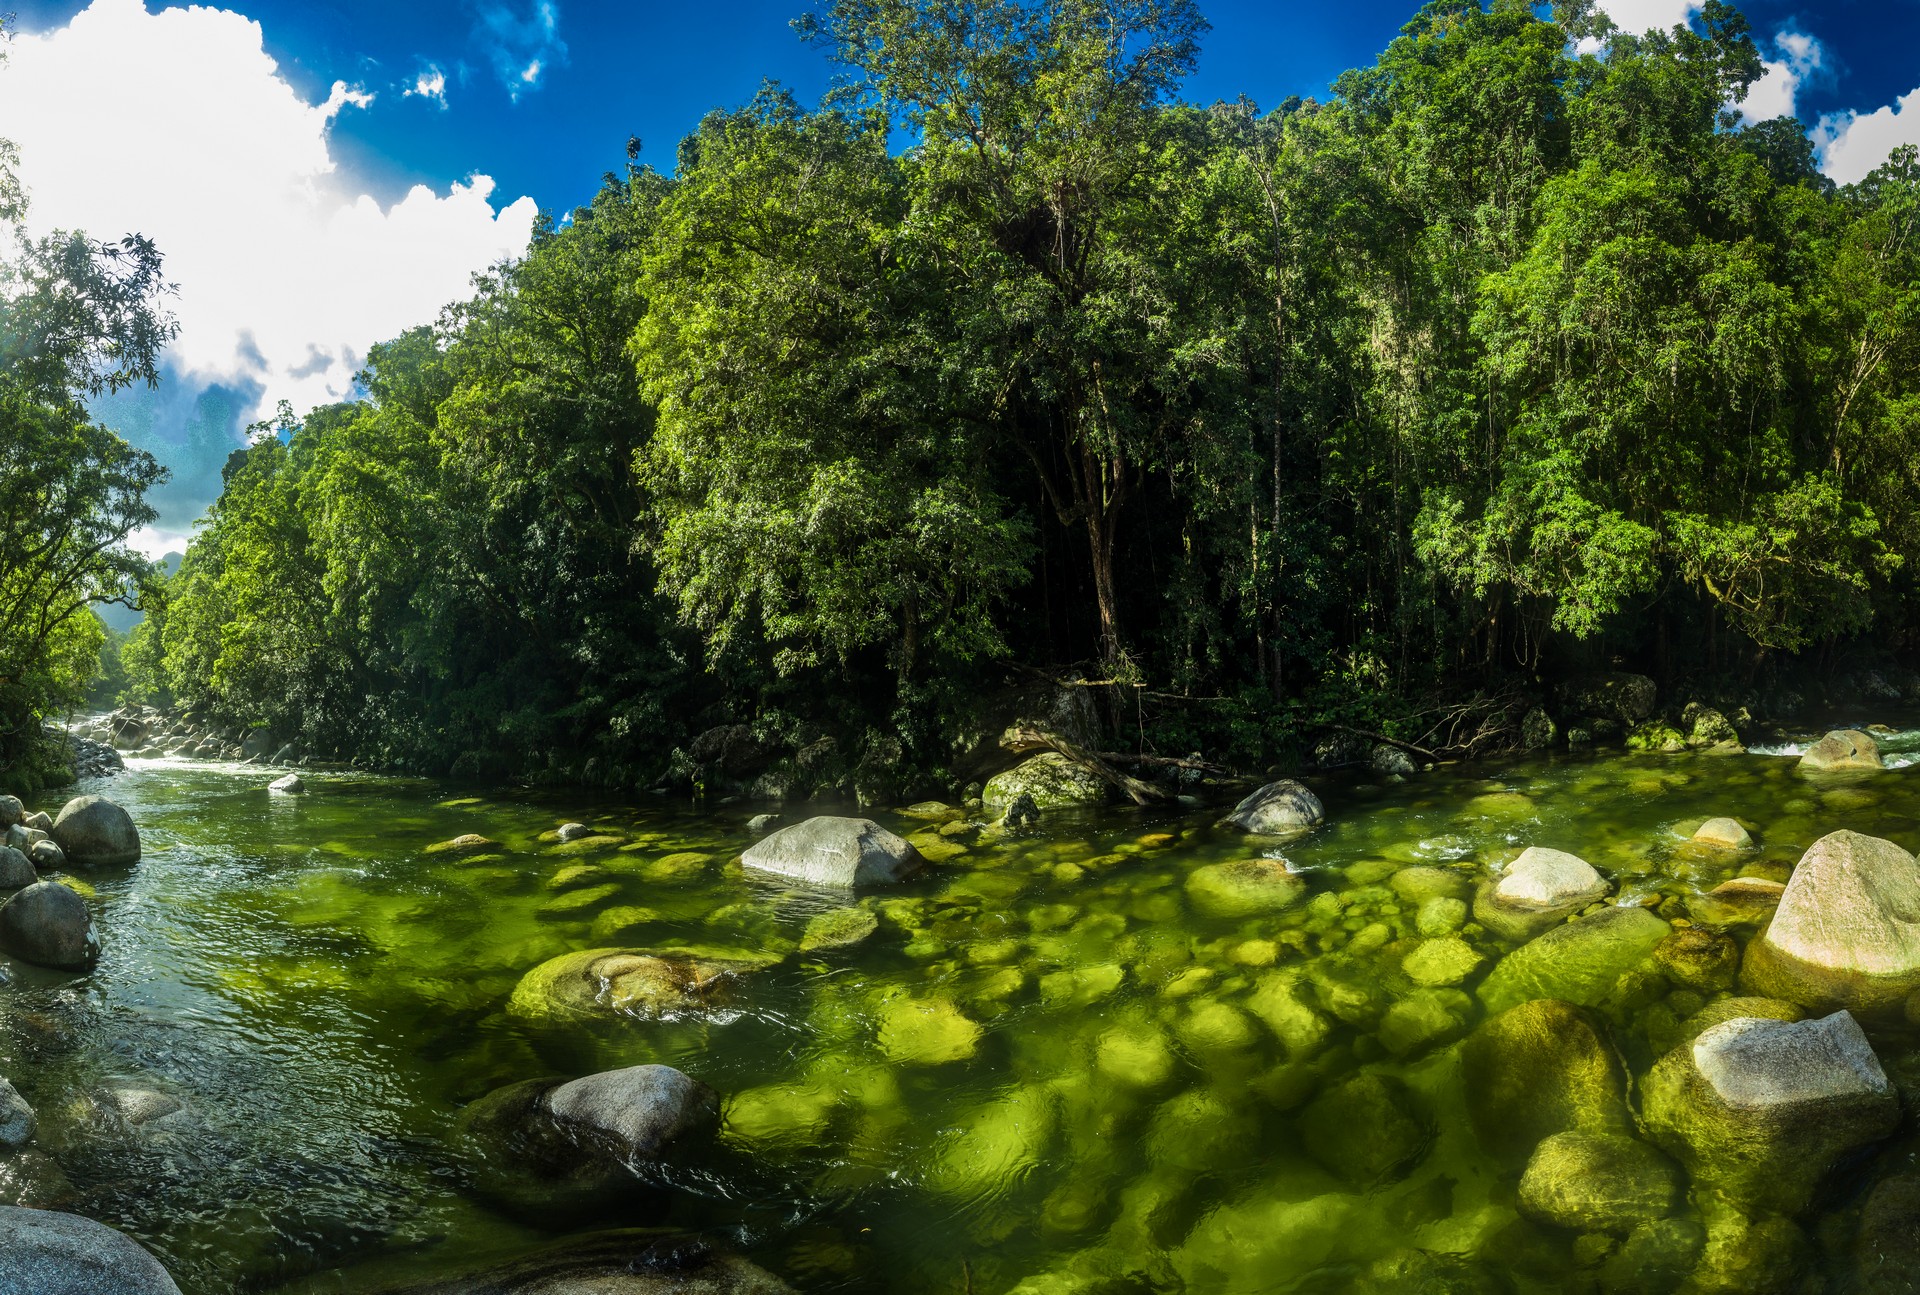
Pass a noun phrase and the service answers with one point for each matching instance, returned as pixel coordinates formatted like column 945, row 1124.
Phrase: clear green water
column 1142, row 1104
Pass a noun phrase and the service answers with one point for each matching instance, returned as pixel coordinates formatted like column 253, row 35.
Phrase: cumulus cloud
column 1639, row 16
column 522, row 44
column 179, row 125
column 1852, row 144
column 1800, row 58
column 430, row 84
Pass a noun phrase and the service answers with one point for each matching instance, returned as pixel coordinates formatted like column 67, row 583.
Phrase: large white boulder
column 830, row 851
column 1847, row 931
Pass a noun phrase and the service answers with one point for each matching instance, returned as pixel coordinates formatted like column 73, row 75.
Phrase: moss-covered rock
column 1264, row 1243
column 1656, row 736
column 1442, row 962
column 602, row 983
column 1699, row 959
column 996, row 1145
column 1134, row 1053
column 1245, row 888
column 778, row 1116
column 1536, row 892
column 1424, row 1019
column 1541, row 1068
column 1581, row 962
column 926, row 1031
column 1368, row 1130
column 1276, row 1001
column 1053, row 781
column 1598, row 1182
column 839, row 928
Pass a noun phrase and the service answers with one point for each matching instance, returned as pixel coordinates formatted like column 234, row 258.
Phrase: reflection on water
column 1060, row 1060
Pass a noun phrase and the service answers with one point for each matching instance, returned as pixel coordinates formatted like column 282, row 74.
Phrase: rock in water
column 643, row 1109
column 829, row 851
column 1847, row 932
column 93, row 832
column 1368, row 1130
column 1390, row 760
column 1282, row 808
column 1581, row 962
column 47, row 1253
column 1245, row 888
column 48, row 924
column 464, row 845
column 604, row 983
column 1053, row 781
column 1538, row 890
column 1846, row 748
column 1598, row 1182
column 1539, row 1069
column 1722, row 834
column 288, row 786
column 46, row 856
column 1759, row 1110
column 761, row 824
column 16, row 1117
column 572, row 832
column 15, row 869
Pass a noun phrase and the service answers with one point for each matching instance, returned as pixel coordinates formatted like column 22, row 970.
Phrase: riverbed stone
column 1264, row 1242
column 833, row 851
column 1759, row 1110
column 16, row 870
column 996, row 1144
column 43, row 1252
column 1135, row 1054
column 1441, row 962
column 1541, row 1068
column 288, row 785
column 48, row 924
column 567, row 833
column 641, row 1110
column 16, row 1117
column 1538, row 890
column 1697, row 958
column 1424, row 1019
column 1284, row 808
column 1368, row 1130
column 839, row 928
column 1722, row 834
column 45, row 856
column 1245, row 888
column 1581, row 962
column 1741, row 901
column 465, row 845
column 779, row 1117
column 1847, row 931
column 1598, row 1182
column 605, row 983
column 1441, row 915
column 93, row 832
column 926, row 1031
column 1051, row 779
column 1843, row 749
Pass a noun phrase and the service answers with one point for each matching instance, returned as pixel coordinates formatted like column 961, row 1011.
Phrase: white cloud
column 1801, row 57
column 431, row 84
column 1639, row 16
column 179, row 125
column 1852, row 144
column 522, row 46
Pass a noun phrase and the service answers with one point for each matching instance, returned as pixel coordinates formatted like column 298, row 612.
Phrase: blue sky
column 325, row 174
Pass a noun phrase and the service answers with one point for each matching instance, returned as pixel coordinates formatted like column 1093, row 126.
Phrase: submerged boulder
column 48, row 924
column 1538, row 890
column 1052, row 780
column 1598, row 1182
column 93, row 832
column 602, row 983
column 1245, row 887
column 1368, row 1130
column 1743, row 901
column 1283, row 808
column 47, row 1253
column 1847, row 931
column 832, row 851
column 1538, row 1069
column 1846, row 748
column 1759, row 1110
column 1580, row 962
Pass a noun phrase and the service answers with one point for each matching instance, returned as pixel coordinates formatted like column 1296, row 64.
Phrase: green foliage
column 1504, row 357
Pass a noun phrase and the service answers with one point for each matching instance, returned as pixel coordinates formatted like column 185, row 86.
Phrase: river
column 324, row 998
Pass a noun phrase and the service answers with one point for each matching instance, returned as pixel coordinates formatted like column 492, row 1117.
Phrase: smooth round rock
column 1847, row 931
column 833, row 851
column 1245, row 887
column 1598, row 1182
column 93, row 832
column 291, row 785
column 1283, row 808
column 16, row 870
column 43, row 1252
column 11, row 810
column 1722, row 834
column 45, row 856
column 49, row 925
column 641, row 1108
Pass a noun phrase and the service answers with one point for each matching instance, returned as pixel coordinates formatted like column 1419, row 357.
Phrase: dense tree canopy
column 1521, row 351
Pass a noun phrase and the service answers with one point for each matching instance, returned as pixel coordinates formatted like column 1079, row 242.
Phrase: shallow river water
column 1053, row 1063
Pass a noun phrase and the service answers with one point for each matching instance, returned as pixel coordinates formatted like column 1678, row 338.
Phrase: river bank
column 1102, row 1051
